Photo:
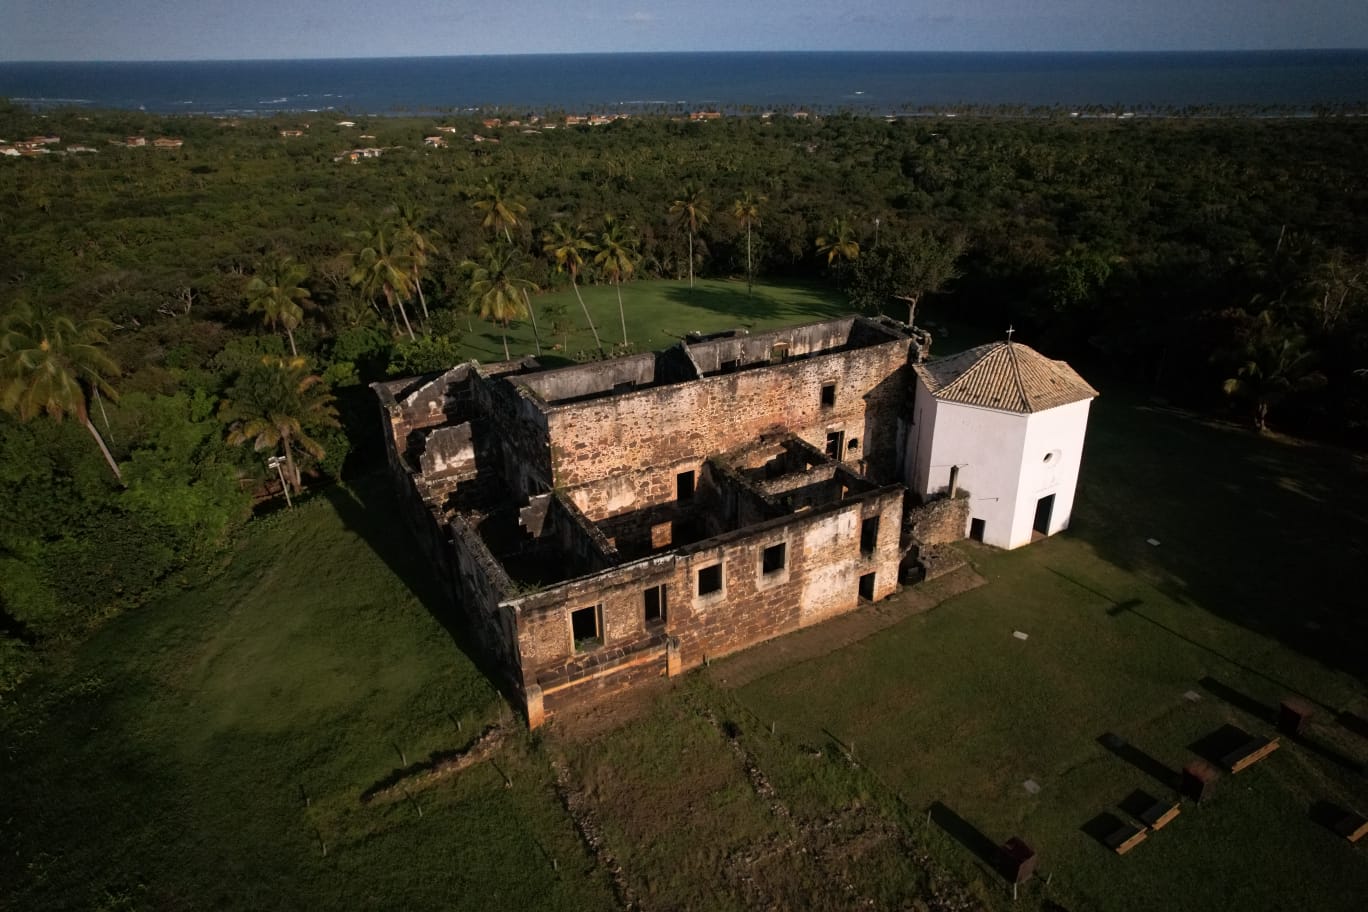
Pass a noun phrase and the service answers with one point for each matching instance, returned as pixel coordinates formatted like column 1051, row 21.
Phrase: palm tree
column 51, row 364
column 568, row 247
column 275, row 291
column 275, row 405
column 838, row 243
column 380, row 268
column 617, row 256
column 1275, row 366
column 417, row 246
column 690, row 213
column 746, row 211
column 500, row 212
column 496, row 291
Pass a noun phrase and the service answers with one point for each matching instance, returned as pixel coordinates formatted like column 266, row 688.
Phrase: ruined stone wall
column 632, row 489
column 820, row 578
column 939, row 521
column 523, row 458
column 672, row 425
column 482, row 585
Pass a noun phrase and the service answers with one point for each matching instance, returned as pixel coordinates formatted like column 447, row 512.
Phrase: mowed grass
column 206, row 751
column 210, row 750
column 658, row 314
column 1242, row 603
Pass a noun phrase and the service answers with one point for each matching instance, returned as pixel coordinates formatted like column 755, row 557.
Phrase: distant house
column 705, row 115
column 291, row 132
column 491, row 123
column 435, row 142
column 346, row 123
column 574, row 120
column 44, row 140
column 1005, row 425
column 167, row 142
column 9, row 150
column 74, row 149
column 134, row 142
column 367, row 136
column 446, row 129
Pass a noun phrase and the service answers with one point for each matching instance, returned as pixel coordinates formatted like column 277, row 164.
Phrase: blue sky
column 199, row 29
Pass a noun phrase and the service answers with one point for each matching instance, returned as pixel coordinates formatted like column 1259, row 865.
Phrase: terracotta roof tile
column 1004, row 375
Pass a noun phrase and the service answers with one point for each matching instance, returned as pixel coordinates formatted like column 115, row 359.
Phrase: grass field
column 1241, row 604
column 203, row 752
column 211, row 749
column 658, row 314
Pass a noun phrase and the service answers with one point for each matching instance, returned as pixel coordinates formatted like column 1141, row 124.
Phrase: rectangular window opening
column 654, row 599
column 684, row 486
column 835, row 444
column 976, row 528
column 869, row 535
column 774, row 558
column 828, row 395
column 779, row 353
column 586, row 627
column 710, row 579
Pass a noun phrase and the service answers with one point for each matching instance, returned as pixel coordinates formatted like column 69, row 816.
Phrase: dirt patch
column 814, row 642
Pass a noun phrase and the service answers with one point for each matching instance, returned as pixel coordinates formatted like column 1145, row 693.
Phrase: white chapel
column 1003, row 425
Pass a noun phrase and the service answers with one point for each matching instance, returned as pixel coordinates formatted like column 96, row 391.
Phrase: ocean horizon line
column 1149, row 52
column 869, row 81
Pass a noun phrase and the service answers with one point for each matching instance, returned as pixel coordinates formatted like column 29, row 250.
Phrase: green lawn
column 201, row 752
column 204, row 751
column 1238, row 604
column 658, row 314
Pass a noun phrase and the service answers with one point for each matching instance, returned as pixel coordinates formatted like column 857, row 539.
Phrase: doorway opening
column 1044, row 511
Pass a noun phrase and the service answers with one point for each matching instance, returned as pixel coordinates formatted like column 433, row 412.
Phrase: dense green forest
column 171, row 316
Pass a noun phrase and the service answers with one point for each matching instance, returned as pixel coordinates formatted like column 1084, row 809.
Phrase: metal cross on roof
column 1010, row 330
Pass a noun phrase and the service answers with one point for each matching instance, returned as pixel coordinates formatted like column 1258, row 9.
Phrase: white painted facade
column 1007, row 461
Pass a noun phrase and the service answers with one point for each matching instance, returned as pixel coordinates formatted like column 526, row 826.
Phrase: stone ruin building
column 610, row 522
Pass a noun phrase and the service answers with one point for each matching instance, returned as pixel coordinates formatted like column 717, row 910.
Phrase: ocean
column 877, row 83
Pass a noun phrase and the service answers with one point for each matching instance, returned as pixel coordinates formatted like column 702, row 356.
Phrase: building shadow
column 1160, row 772
column 369, row 507
column 966, row 834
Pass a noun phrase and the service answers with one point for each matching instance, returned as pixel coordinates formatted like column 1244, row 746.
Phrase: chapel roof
column 1004, row 375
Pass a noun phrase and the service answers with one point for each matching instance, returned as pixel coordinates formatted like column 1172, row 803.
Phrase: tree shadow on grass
column 748, row 310
column 1248, row 526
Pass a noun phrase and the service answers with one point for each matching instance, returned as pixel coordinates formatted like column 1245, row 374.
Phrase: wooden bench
column 1351, row 826
column 1124, row 838
column 1159, row 814
column 1249, row 753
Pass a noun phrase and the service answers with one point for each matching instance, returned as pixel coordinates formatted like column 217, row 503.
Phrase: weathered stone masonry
column 604, row 523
